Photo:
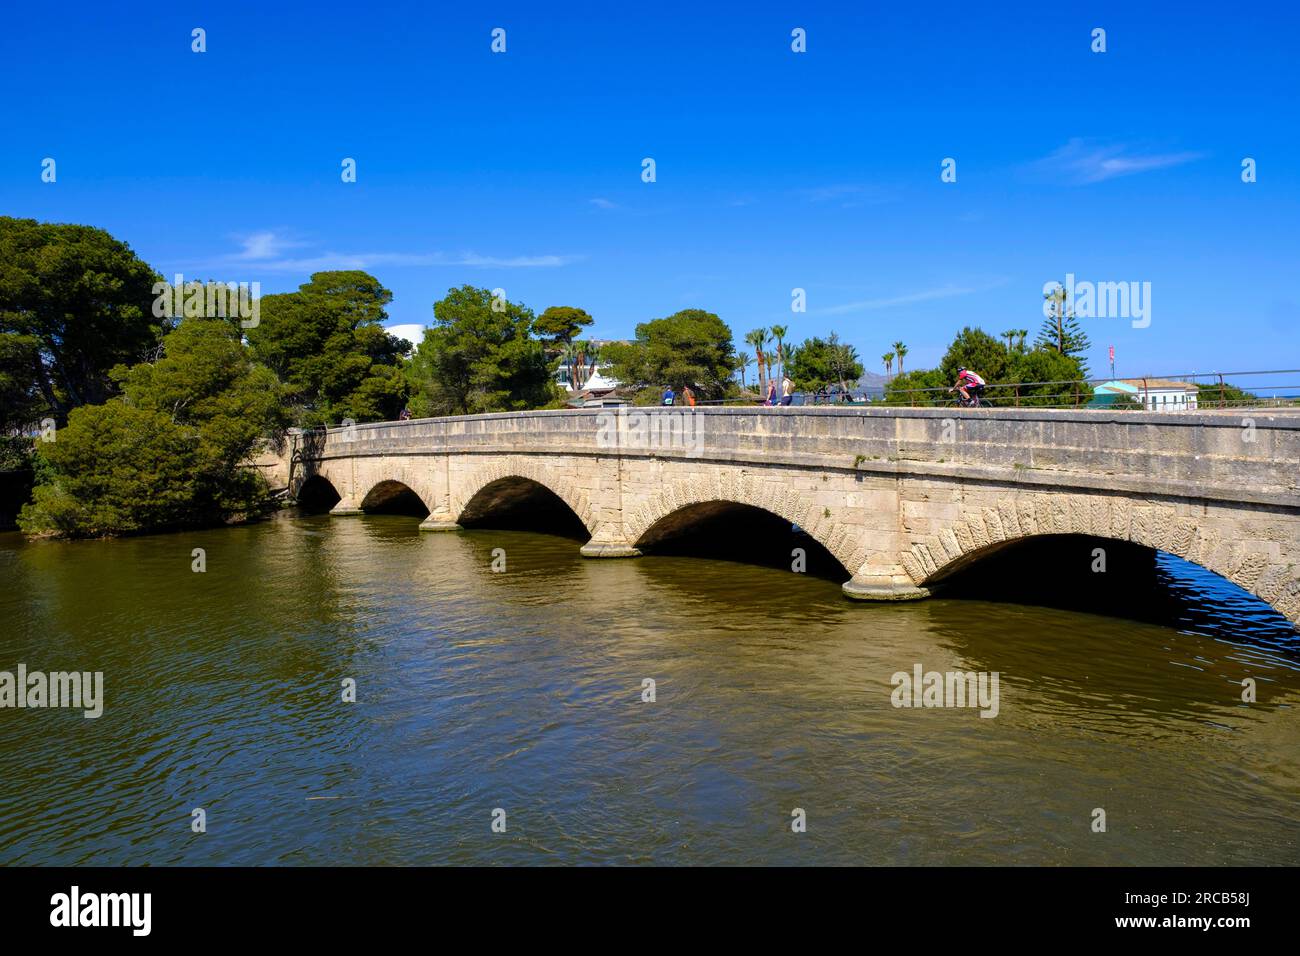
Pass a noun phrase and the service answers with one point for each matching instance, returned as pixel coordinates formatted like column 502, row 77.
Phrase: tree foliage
column 1061, row 330
column 1214, row 394
column 692, row 347
column 818, row 364
column 21, row 403
column 980, row 352
column 560, row 324
column 169, row 452
column 477, row 358
column 327, row 343
column 74, row 302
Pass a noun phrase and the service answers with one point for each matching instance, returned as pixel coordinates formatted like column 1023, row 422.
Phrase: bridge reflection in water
column 902, row 500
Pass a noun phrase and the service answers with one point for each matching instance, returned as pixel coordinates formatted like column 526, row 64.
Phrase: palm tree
column 1057, row 315
column 569, row 360
column 779, row 333
column 888, row 359
column 899, row 351
column 588, row 356
column 743, row 361
column 1020, row 334
column 758, row 339
column 579, row 363
column 1009, row 334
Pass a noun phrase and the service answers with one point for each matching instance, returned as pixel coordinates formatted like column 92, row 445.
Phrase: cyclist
column 967, row 383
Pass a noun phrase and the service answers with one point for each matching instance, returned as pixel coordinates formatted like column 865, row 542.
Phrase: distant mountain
column 871, row 383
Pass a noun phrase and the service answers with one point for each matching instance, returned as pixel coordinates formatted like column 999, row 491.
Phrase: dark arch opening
column 393, row 498
column 521, row 504
column 730, row 531
column 316, row 495
column 1138, row 583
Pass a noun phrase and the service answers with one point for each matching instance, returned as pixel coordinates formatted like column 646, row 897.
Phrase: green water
column 522, row 690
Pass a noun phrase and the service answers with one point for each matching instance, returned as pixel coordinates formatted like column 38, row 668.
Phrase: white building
column 1155, row 394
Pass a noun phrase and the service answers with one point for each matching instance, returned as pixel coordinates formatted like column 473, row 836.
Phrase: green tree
column 74, row 302
column 910, row 388
column 819, row 363
column 743, row 361
column 21, row 404
column 1063, row 376
column 978, row 351
column 779, row 332
column 1214, row 395
column 170, row 451
column 758, row 339
column 1044, row 376
column 1061, row 329
column 560, row 324
column 888, row 360
column 327, row 343
column 569, row 362
column 844, row 362
column 589, row 354
column 692, row 347
column 899, row 351
column 480, row 356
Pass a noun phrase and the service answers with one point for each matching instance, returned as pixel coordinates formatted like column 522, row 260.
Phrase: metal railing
column 1079, row 393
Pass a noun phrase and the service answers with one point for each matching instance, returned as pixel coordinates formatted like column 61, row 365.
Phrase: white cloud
column 909, row 298
column 602, row 203
column 266, row 251
column 1080, row 162
column 515, row 262
column 264, row 245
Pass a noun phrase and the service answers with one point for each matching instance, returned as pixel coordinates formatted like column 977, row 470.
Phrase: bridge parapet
column 1249, row 457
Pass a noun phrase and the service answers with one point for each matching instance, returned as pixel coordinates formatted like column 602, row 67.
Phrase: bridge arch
column 1261, row 567
column 683, row 496
column 476, row 494
column 315, row 492
column 392, row 496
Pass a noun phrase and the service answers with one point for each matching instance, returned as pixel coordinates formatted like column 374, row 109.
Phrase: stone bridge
column 901, row 498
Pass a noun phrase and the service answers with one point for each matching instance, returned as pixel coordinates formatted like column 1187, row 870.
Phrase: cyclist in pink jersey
column 968, row 382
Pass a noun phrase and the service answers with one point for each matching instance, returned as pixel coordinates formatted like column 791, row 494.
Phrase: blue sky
column 775, row 170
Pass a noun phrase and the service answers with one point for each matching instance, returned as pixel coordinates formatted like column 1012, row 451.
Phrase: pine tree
column 1061, row 331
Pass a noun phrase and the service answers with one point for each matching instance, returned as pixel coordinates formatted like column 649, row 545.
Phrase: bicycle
column 975, row 401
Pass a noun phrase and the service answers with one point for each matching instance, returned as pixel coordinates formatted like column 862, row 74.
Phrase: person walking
column 668, row 395
column 689, row 395
column 771, row 393
column 787, row 390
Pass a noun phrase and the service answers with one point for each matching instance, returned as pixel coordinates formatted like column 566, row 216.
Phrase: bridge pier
column 879, row 587
column 609, row 549
column 610, row 541
column 346, row 507
column 440, row 522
